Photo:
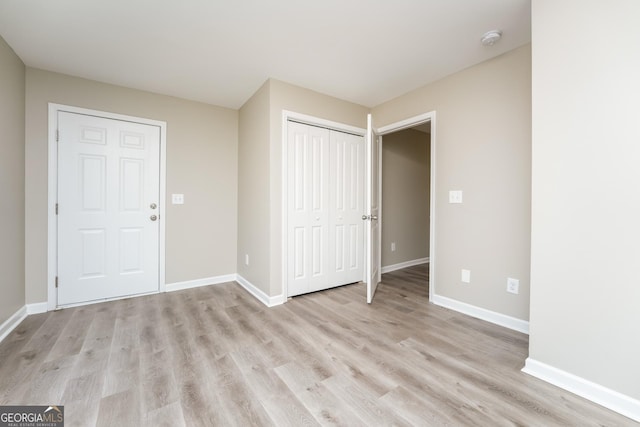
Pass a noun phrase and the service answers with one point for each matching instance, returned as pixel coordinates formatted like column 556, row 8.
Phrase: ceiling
column 221, row 52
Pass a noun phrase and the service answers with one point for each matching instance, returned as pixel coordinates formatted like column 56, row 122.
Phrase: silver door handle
column 365, row 217
column 370, row 217
column 153, row 206
column 374, row 218
column 153, row 217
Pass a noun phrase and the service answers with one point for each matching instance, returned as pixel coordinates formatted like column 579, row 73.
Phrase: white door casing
column 108, row 188
column 371, row 218
column 325, row 198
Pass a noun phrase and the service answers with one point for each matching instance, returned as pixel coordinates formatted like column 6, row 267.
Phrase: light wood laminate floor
column 214, row 356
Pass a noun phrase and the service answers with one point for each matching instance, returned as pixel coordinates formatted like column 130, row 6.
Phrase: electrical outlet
column 455, row 196
column 246, row 259
column 513, row 285
column 465, row 276
column 393, row 246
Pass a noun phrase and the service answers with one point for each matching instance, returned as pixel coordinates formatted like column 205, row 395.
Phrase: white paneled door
column 108, row 208
column 373, row 211
column 346, row 204
column 325, row 197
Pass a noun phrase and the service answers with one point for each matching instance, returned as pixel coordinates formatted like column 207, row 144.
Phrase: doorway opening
column 408, row 197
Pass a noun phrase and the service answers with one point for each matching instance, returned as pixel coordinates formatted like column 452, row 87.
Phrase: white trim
column 188, row 284
column 404, row 124
column 12, row 322
column 401, row 265
column 310, row 120
column 482, row 313
column 100, row 301
column 37, row 308
column 259, row 294
column 52, row 250
column 407, row 123
column 611, row 399
column 316, row 121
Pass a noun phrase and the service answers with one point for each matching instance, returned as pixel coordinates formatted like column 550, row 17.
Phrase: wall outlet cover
column 513, row 285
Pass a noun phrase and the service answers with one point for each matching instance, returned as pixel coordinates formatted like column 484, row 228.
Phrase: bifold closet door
column 325, row 184
column 346, row 206
column 308, row 210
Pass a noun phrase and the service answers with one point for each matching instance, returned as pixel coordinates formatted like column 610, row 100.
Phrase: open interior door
column 372, row 226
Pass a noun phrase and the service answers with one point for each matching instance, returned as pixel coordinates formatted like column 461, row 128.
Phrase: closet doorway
column 324, row 198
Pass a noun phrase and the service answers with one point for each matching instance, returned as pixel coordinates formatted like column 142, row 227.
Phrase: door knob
column 374, row 217
column 153, row 206
column 365, row 217
column 153, row 217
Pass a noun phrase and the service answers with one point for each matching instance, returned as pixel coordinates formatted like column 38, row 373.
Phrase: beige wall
column 585, row 291
column 12, row 84
column 201, row 235
column 405, row 196
column 483, row 147
column 253, row 189
column 284, row 96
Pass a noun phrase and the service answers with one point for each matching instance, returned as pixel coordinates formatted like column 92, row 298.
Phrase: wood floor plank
column 215, row 356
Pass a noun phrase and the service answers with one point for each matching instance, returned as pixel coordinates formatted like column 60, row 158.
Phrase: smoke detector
column 491, row 37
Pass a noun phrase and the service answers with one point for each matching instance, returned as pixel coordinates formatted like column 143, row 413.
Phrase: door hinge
column 56, row 209
column 57, row 135
column 56, row 281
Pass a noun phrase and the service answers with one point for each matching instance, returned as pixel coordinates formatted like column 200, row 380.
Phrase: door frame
column 312, row 121
column 52, row 197
column 406, row 124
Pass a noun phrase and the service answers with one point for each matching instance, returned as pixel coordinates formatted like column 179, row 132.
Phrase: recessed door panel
column 130, row 139
column 299, row 170
column 299, row 252
column 131, row 184
column 339, row 248
column 132, row 250
column 93, row 135
column 92, row 182
column 93, row 254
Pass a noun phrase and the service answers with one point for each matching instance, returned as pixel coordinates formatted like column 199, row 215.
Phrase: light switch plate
column 455, row 196
column 177, row 199
column 465, row 276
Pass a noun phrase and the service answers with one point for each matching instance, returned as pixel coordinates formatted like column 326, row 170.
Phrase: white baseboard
column 482, row 313
column 400, row 266
column 259, row 294
column 37, row 308
column 216, row 280
column 12, row 322
column 596, row 393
